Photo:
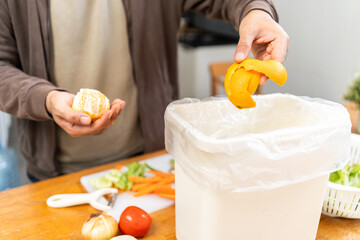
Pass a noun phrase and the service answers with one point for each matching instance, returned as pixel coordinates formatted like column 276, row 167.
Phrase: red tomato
column 135, row 222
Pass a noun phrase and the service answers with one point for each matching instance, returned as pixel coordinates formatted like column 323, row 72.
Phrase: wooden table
column 25, row 215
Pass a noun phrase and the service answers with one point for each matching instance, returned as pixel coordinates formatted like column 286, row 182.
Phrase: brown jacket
column 26, row 66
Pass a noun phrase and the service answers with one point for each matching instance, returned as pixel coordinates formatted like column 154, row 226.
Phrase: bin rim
column 216, row 145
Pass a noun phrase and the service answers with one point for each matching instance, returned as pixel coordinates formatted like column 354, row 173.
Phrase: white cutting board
column 150, row 202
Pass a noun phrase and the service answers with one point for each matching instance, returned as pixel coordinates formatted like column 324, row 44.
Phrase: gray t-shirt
column 91, row 50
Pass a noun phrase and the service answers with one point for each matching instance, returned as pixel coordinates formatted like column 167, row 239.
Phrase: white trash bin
column 256, row 173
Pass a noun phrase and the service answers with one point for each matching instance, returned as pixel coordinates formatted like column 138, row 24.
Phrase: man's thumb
column 242, row 50
column 76, row 117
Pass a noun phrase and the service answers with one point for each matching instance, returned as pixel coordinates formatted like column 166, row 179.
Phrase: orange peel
column 242, row 79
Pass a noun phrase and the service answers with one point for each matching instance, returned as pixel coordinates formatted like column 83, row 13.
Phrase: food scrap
column 133, row 179
column 159, row 184
column 242, row 79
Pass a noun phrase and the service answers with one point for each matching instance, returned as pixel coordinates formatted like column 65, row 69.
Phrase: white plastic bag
column 283, row 140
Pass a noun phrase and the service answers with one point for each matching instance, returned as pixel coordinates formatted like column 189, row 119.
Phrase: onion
column 99, row 227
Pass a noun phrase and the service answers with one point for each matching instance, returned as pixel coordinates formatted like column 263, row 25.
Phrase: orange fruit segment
column 91, row 102
column 242, row 79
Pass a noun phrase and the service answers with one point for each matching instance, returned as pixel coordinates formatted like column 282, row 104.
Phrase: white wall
column 194, row 73
column 324, row 49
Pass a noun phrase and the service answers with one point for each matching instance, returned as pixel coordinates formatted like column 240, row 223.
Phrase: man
column 49, row 49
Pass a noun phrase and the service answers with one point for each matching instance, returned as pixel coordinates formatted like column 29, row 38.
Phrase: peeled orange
column 91, row 102
column 242, row 79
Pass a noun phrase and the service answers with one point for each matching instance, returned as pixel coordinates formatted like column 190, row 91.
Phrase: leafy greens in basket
column 349, row 176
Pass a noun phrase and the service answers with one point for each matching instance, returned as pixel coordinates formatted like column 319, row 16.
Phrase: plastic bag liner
column 285, row 139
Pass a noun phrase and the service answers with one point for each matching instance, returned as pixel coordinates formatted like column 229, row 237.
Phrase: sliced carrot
column 168, row 196
column 149, row 189
column 145, row 190
column 164, row 189
column 121, row 190
column 136, row 187
column 159, row 173
column 119, row 167
column 144, row 179
column 167, row 180
column 160, row 182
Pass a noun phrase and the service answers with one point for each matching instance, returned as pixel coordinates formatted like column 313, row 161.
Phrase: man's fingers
column 95, row 127
column 59, row 104
column 74, row 117
column 279, row 54
column 263, row 79
column 118, row 102
column 103, row 123
column 116, row 108
column 242, row 50
column 247, row 36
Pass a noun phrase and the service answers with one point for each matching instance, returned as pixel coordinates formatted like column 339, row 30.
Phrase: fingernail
column 239, row 56
column 85, row 120
column 118, row 111
column 110, row 115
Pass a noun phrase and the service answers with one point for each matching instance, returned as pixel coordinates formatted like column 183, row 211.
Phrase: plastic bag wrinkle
column 284, row 140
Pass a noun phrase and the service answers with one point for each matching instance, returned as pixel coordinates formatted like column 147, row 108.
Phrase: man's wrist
column 48, row 101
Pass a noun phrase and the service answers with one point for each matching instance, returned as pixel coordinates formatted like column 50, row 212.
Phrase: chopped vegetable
column 162, row 174
column 119, row 167
column 119, row 179
column 136, row 187
column 159, row 184
column 168, row 196
column 164, row 189
column 349, row 176
column 100, row 182
column 144, row 179
column 172, row 162
column 134, row 179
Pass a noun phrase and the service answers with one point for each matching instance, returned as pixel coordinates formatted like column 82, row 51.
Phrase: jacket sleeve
column 230, row 10
column 21, row 95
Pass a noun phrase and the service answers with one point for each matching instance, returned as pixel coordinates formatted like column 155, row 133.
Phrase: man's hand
column 76, row 123
column 266, row 39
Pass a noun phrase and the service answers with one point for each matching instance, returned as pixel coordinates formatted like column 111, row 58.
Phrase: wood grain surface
column 24, row 214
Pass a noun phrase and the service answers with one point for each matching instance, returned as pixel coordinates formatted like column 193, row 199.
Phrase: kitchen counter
column 25, row 215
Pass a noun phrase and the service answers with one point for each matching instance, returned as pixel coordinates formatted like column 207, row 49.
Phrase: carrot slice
column 167, row 180
column 150, row 188
column 159, row 173
column 144, row 179
column 119, row 167
column 164, row 189
column 138, row 186
column 168, row 196
column 121, row 190
column 145, row 190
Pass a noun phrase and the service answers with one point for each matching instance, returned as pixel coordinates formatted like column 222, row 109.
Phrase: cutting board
column 150, row 202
